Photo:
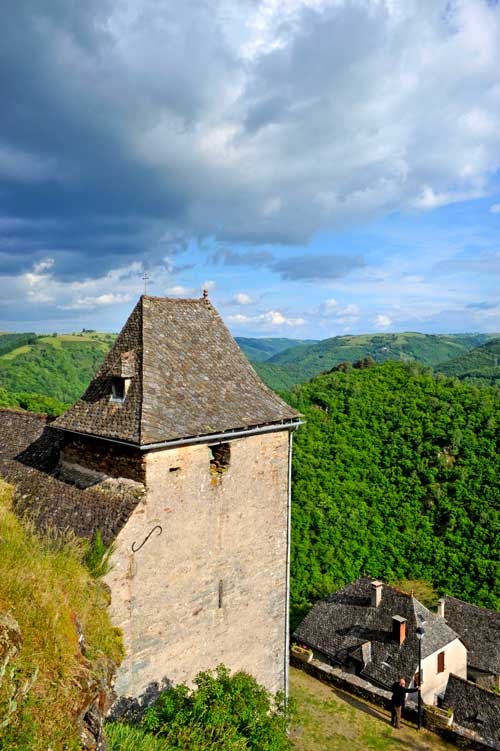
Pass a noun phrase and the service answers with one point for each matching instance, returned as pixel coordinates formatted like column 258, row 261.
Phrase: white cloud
column 178, row 290
column 242, row 298
column 42, row 266
column 428, row 199
column 267, row 320
column 495, row 209
column 209, row 285
column 382, row 321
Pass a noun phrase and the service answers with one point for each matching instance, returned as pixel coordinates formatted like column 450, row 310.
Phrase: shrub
column 223, row 713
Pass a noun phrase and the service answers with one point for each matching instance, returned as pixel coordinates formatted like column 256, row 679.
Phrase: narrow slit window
column 220, row 457
column 174, row 469
column 221, row 592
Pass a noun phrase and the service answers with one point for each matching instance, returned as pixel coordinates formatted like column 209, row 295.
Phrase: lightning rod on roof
column 145, row 278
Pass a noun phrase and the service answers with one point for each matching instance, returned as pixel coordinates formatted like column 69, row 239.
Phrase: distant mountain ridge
column 480, row 365
column 300, row 363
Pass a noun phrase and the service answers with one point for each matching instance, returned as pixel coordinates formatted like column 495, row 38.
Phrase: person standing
column 398, row 698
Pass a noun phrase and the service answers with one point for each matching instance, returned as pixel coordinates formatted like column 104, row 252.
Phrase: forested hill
column 396, row 474
column 260, row 350
column 300, row 363
column 480, row 365
column 58, row 366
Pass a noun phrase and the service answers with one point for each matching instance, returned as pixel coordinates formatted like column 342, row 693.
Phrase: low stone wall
column 356, row 686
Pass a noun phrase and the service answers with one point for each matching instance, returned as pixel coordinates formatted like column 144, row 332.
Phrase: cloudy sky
column 321, row 166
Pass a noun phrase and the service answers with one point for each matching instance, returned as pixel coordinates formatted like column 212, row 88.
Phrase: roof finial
column 145, row 277
column 205, row 295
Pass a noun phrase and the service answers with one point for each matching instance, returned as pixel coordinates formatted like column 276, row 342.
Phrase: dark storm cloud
column 126, row 122
column 317, row 267
column 312, row 267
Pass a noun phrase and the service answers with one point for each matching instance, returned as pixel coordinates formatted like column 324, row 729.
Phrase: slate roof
column 479, row 629
column 191, row 379
column 340, row 624
column 474, row 708
column 29, row 453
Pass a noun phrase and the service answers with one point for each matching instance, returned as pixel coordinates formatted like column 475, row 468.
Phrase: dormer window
column 119, row 388
column 120, row 383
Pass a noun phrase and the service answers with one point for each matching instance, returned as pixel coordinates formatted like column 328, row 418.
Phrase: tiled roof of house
column 479, row 629
column 340, row 624
column 189, row 378
column 29, row 452
column 474, row 708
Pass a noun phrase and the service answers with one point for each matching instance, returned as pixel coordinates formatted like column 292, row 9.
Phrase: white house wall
column 455, row 661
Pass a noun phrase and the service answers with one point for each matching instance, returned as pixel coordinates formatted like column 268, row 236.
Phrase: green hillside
column 58, row 366
column 428, row 349
column 480, row 365
column 396, row 474
column 259, row 350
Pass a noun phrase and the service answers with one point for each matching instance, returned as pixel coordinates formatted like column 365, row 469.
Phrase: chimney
column 440, row 610
column 376, row 594
column 398, row 629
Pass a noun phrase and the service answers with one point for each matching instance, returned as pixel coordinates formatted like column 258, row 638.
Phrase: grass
column 15, row 352
column 47, row 589
column 331, row 720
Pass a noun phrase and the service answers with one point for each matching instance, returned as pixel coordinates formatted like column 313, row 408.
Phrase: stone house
column 370, row 629
column 201, row 565
column 479, row 629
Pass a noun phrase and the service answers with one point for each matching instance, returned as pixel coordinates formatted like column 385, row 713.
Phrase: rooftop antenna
column 145, row 279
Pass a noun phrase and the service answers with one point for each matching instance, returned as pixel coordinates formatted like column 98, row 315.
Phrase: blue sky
column 321, row 166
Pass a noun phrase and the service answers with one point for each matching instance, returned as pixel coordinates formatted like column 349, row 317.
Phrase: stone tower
column 200, row 569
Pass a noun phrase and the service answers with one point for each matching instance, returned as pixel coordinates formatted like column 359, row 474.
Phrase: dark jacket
column 399, row 694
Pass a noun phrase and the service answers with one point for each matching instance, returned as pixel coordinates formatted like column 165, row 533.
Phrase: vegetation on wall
column 46, row 588
column 396, row 475
column 223, row 713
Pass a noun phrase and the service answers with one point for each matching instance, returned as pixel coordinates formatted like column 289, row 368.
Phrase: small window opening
column 119, row 388
column 220, row 457
column 174, row 469
column 440, row 661
column 221, row 592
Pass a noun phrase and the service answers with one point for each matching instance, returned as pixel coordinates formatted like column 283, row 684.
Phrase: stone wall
column 104, row 457
column 199, row 573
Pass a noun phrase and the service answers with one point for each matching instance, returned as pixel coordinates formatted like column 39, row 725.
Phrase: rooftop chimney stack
column 376, row 595
column 398, row 628
column 440, row 610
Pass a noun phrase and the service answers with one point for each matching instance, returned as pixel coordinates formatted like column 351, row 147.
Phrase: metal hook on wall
column 135, row 550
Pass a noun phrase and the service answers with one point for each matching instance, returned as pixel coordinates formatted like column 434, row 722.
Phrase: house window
column 440, row 662
column 220, row 457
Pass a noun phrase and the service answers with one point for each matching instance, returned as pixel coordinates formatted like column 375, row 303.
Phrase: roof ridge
column 173, row 299
column 475, row 685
